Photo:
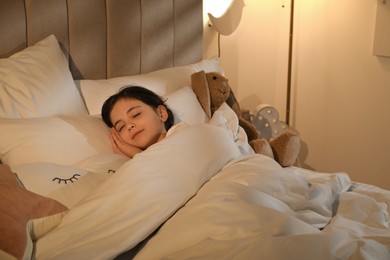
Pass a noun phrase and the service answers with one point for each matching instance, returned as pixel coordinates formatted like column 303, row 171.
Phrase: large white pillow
column 162, row 82
column 62, row 139
column 37, row 82
column 186, row 107
column 67, row 140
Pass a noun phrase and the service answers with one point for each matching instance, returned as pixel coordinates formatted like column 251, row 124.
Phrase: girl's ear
column 163, row 113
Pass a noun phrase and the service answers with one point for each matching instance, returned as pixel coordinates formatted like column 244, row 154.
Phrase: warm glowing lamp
column 227, row 19
column 226, row 23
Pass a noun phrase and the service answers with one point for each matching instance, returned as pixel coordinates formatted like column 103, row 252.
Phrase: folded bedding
column 18, row 208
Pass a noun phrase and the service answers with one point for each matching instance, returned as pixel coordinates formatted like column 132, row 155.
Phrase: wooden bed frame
column 107, row 38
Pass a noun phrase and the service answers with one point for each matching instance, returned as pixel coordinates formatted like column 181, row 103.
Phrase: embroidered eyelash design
column 111, row 171
column 71, row 179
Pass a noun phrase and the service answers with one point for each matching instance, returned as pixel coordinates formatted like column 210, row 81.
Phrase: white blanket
column 215, row 199
column 140, row 196
column 254, row 209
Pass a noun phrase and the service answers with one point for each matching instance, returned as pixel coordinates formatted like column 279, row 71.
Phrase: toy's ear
column 202, row 90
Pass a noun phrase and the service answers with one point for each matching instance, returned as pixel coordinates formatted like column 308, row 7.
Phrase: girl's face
column 137, row 123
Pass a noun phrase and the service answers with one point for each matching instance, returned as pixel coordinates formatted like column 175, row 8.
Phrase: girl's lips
column 136, row 133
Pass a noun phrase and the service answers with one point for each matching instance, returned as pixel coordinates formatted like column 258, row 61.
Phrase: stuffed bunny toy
column 282, row 142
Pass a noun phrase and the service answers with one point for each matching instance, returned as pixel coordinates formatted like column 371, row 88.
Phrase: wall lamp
column 227, row 22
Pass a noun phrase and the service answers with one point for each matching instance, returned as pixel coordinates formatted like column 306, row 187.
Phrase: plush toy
column 267, row 136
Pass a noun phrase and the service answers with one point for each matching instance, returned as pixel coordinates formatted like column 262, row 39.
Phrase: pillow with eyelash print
column 68, row 184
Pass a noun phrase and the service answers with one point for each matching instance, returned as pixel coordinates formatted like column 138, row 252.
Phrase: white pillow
column 37, row 82
column 68, row 184
column 62, row 139
column 162, row 82
column 186, row 107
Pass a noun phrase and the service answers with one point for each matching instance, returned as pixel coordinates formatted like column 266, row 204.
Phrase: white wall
column 340, row 89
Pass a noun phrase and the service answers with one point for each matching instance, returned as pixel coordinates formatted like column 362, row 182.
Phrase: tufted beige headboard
column 107, row 38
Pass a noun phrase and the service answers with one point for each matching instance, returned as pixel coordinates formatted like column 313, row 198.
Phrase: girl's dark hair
column 140, row 93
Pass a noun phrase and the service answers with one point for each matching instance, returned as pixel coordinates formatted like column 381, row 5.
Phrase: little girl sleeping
column 138, row 118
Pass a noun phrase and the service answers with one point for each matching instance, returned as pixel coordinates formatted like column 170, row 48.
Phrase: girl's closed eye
column 136, row 115
column 120, row 127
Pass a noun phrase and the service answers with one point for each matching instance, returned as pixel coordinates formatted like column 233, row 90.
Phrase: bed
column 201, row 193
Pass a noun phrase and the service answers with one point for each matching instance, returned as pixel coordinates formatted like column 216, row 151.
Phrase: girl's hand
column 120, row 147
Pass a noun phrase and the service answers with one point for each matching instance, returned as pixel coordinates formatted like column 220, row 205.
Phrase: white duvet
column 253, row 209
column 215, row 199
column 140, row 196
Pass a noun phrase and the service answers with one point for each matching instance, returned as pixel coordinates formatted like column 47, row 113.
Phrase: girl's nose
column 130, row 126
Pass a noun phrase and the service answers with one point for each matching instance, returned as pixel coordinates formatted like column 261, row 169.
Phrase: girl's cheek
column 126, row 138
column 123, row 135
